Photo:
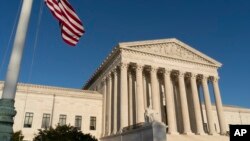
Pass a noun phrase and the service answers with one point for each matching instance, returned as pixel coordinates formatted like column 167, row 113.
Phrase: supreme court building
column 177, row 81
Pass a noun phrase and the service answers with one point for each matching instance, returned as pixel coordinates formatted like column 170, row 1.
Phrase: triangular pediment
column 172, row 48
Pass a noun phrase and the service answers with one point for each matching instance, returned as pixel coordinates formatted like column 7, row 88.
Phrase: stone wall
column 71, row 102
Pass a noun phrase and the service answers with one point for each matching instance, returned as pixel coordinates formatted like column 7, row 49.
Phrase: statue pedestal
column 7, row 112
column 153, row 131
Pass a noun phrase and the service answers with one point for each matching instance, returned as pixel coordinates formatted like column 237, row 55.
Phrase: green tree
column 63, row 133
column 17, row 136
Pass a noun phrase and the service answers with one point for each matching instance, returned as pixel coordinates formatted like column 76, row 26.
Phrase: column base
column 213, row 134
column 7, row 112
column 173, row 133
column 114, row 133
column 223, row 133
column 188, row 133
column 202, row 133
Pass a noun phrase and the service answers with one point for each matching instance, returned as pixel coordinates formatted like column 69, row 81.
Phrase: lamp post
column 7, row 109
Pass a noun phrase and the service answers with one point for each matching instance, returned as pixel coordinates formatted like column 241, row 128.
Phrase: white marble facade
column 167, row 75
column 178, row 82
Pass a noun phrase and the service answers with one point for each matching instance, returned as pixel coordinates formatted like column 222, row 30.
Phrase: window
column 78, row 122
column 62, row 120
column 46, row 121
column 28, row 120
column 92, row 123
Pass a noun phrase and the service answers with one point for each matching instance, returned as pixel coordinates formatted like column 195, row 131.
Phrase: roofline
column 59, row 89
column 114, row 51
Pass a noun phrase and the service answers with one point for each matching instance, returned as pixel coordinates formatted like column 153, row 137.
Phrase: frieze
column 150, row 59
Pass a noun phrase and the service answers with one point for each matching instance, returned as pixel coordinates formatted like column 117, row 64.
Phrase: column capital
column 108, row 75
column 193, row 76
column 123, row 65
column 215, row 78
column 104, row 78
column 153, row 69
column 205, row 77
column 181, row 73
column 114, row 71
column 167, row 71
column 139, row 67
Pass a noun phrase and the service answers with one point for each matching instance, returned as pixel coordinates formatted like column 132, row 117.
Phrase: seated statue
column 151, row 115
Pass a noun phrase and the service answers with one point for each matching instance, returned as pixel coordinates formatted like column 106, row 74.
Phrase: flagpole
column 7, row 109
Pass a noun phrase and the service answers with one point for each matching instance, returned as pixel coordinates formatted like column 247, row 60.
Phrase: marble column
column 196, row 102
column 219, row 106
column 130, row 96
column 123, row 96
column 104, row 106
column 109, row 103
column 155, row 93
column 170, row 107
column 139, row 94
column 208, row 106
column 115, row 102
column 144, row 90
column 184, row 105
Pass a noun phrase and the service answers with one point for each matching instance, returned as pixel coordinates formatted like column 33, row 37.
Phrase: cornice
column 104, row 71
column 230, row 108
column 115, row 51
column 57, row 91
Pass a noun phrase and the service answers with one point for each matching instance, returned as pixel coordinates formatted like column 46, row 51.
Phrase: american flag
column 71, row 26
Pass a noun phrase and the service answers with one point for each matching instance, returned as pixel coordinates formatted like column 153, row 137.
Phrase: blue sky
column 218, row 28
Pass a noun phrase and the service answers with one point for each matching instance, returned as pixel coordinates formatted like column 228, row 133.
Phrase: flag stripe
column 72, row 13
column 57, row 10
column 70, row 22
column 71, row 26
column 71, row 10
column 70, row 33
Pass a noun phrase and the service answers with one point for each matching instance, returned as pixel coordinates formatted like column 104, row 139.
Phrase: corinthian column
column 123, row 96
column 115, row 102
column 139, row 93
column 104, row 106
column 219, row 106
column 209, row 111
column 155, row 93
column 197, row 111
column 184, row 105
column 130, row 96
column 144, row 90
column 109, row 104
column 169, row 97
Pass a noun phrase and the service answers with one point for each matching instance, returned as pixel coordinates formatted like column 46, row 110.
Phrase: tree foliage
column 17, row 136
column 63, row 133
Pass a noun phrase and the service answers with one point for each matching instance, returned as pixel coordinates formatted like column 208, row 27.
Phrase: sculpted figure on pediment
column 171, row 50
